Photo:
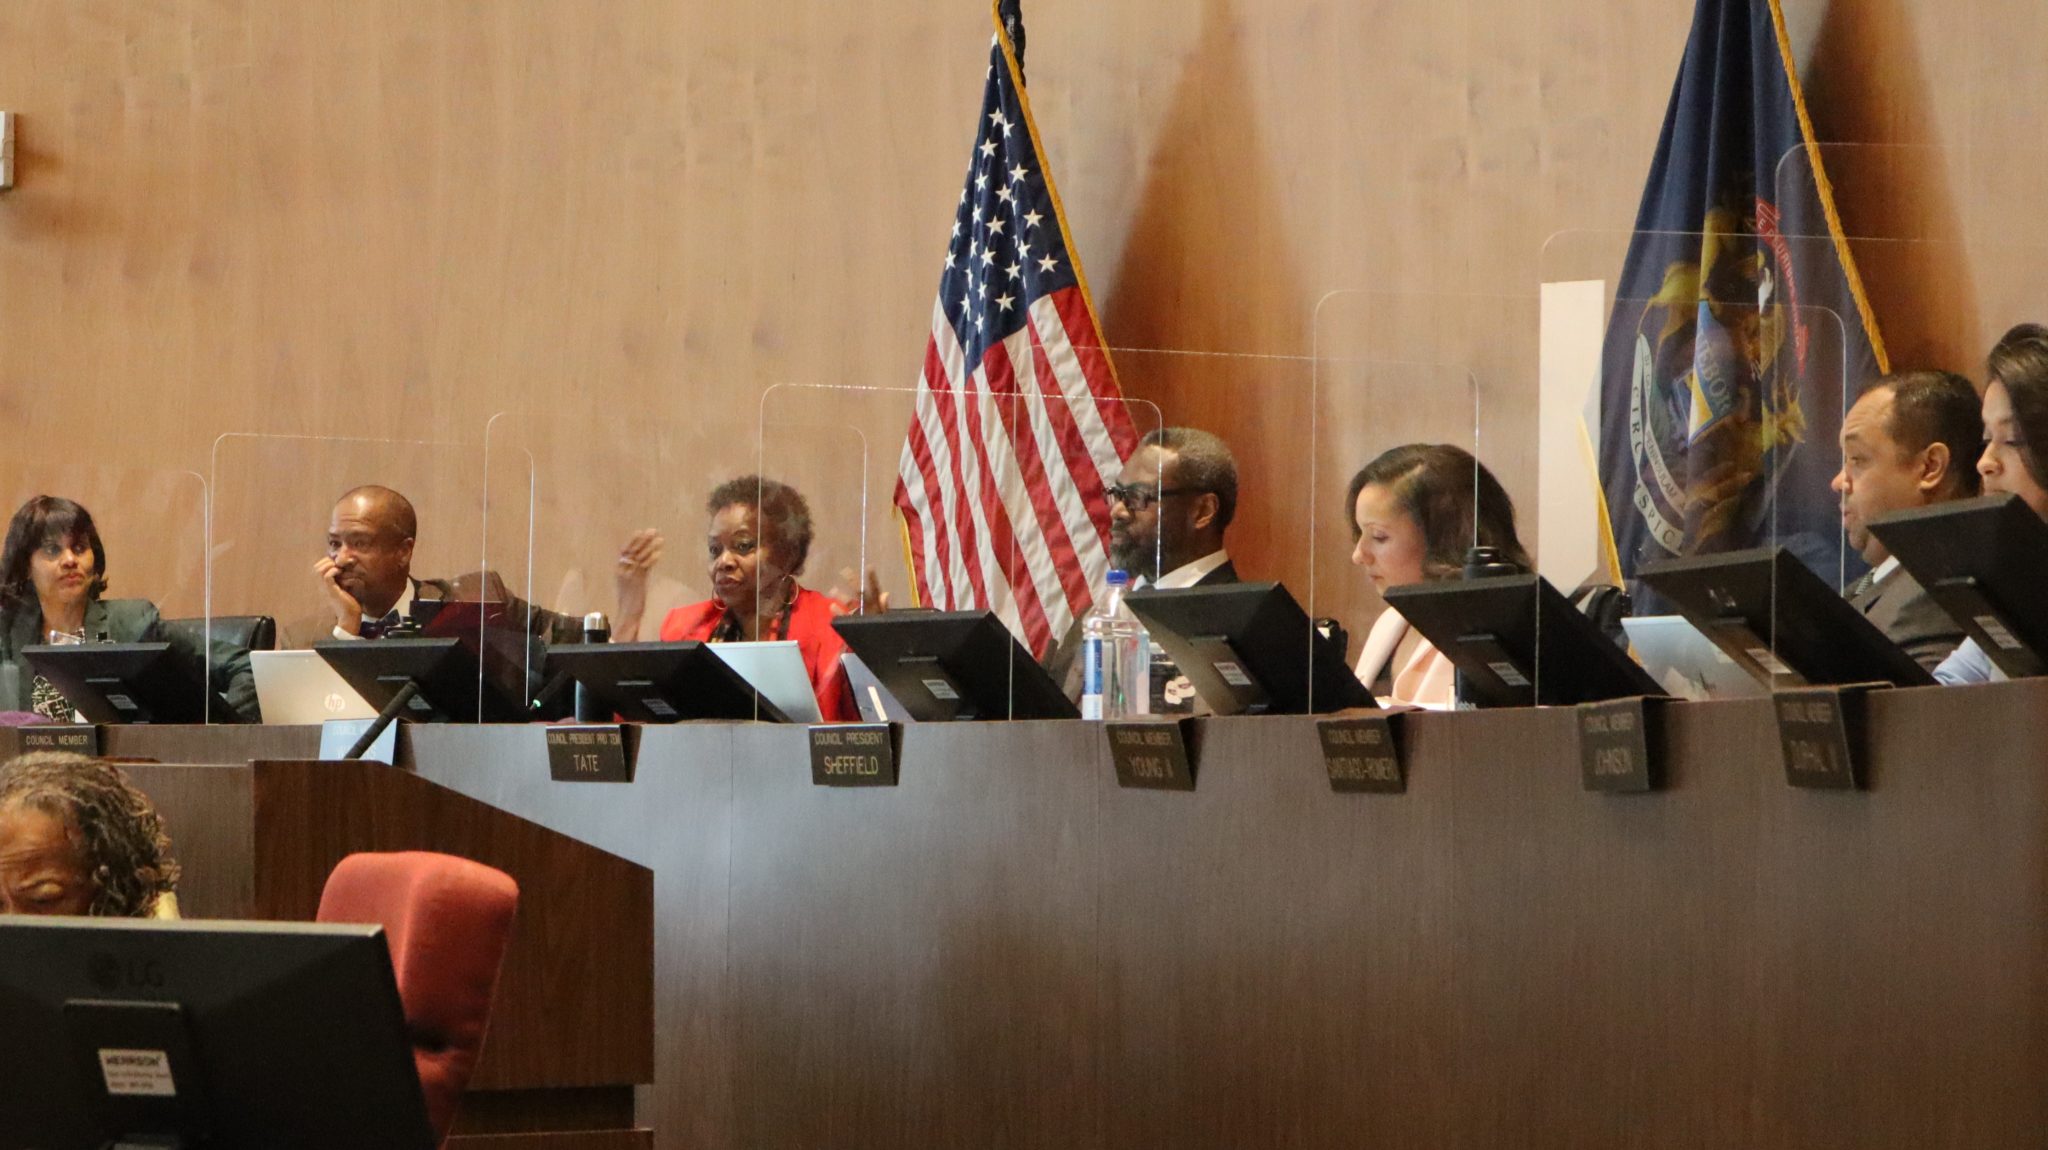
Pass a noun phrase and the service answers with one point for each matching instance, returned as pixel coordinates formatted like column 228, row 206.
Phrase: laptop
column 298, row 688
column 1686, row 663
column 776, row 670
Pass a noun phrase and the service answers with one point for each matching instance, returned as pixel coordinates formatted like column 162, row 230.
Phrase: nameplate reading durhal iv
column 854, row 755
column 77, row 738
column 1362, row 755
column 1820, row 734
column 1150, row 754
column 602, row 753
column 1617, row 746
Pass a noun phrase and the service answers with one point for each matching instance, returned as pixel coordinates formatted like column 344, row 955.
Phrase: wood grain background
column 645, row 234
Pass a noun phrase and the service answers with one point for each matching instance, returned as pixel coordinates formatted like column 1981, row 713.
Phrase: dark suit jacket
column 1902, row 609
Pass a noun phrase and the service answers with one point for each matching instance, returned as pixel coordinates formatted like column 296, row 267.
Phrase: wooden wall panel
column 622, row 220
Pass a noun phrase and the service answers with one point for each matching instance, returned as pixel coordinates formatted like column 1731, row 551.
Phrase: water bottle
column 596, row 629
column 1116, row 658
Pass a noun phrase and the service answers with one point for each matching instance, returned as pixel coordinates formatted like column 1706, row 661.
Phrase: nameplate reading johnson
column 853, row 755
column 1616, row 752
column 1361, row 755
column 594, row 754
column 1150, row 755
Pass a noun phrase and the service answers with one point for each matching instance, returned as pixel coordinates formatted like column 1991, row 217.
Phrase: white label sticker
column 137, row 1073
column 1233, row 674
column 1768, row 661
column 941, row 690
column 1999, row 635
column 1508, row 674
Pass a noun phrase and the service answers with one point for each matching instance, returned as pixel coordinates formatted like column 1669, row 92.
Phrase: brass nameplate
column 601, row 753
column 1150, row 754
column 77, row 738
column 1362, row 755
column 1617, row 746
column 1820, row 733
column 854, row 755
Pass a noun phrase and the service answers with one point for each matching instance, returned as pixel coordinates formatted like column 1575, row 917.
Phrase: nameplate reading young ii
column 77, row 738
column 603, row 753
column 1617, row 751
column 1818, row 734
column 1362, row 755
column 1150, row 754
column 854, row 755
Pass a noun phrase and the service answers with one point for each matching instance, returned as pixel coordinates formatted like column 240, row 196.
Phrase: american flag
column 1020, row 423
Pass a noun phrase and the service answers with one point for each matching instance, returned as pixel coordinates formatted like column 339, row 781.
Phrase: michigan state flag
column 1739, row 324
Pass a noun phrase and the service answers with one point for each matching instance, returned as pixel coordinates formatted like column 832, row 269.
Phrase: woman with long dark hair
column 53, row 571
column 2015, row 458
column 1415, row 511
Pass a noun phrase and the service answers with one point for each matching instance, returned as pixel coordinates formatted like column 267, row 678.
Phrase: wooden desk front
column 1009, row 950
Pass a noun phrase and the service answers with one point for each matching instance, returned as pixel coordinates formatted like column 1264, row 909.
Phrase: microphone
column 596, row 629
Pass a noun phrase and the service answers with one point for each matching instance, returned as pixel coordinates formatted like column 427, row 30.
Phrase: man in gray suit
column 1912, row 439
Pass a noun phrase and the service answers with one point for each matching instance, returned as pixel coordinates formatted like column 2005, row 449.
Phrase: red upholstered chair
column 447, row 921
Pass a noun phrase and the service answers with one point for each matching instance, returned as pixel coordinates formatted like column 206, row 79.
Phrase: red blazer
column 810, row 624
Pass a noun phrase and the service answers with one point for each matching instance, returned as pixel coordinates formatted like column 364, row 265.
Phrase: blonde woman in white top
column 1415, row 511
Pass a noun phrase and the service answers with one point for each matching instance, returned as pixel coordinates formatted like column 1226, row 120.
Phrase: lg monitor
column 223, row 1035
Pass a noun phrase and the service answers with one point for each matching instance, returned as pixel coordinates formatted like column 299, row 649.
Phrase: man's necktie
column 378, row 628
column 1862, row 587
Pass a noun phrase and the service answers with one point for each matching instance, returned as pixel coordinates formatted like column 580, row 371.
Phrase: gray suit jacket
column 1902, row 609
column 106, row 620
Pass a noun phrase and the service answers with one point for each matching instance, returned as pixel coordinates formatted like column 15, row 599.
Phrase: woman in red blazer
column 759, row 537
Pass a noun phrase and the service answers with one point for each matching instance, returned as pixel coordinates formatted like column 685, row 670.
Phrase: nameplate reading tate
column 853, row 755
column 1816, row 734
column 78, row 738
column 1616, row 754
column 1150, row 754
column 591, row 754
column 1362, row 755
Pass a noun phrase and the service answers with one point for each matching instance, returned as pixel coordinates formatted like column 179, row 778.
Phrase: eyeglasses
column 1141, row 496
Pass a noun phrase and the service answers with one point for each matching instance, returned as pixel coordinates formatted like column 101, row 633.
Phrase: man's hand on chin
column 348, row 614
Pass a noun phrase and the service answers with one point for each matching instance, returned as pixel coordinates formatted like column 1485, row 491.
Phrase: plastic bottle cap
column 1119, row 578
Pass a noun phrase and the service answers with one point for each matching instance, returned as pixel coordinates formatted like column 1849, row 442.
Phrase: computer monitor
column 124, row 682
column 945, row 665
column 1983, row 561
column 1779, row 621
column 1248, row 648
column 662, row 682
column 451, row 683
column 1519, row 642
column 225, row 1035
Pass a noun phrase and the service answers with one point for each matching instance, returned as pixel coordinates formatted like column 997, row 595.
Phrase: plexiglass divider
column 1395, row 457
column 1714, row 406
column 136, row 513
column 996, row 500
column 278, row 516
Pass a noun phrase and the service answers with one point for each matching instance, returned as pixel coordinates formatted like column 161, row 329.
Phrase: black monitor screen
column 945, row 665
column 1780, row 622
column 232, row 1036
column 1981, row 560
column 451, row 684
column 1248, row 648
column 124, row 682
column 662, row 682
column 1518, row 642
